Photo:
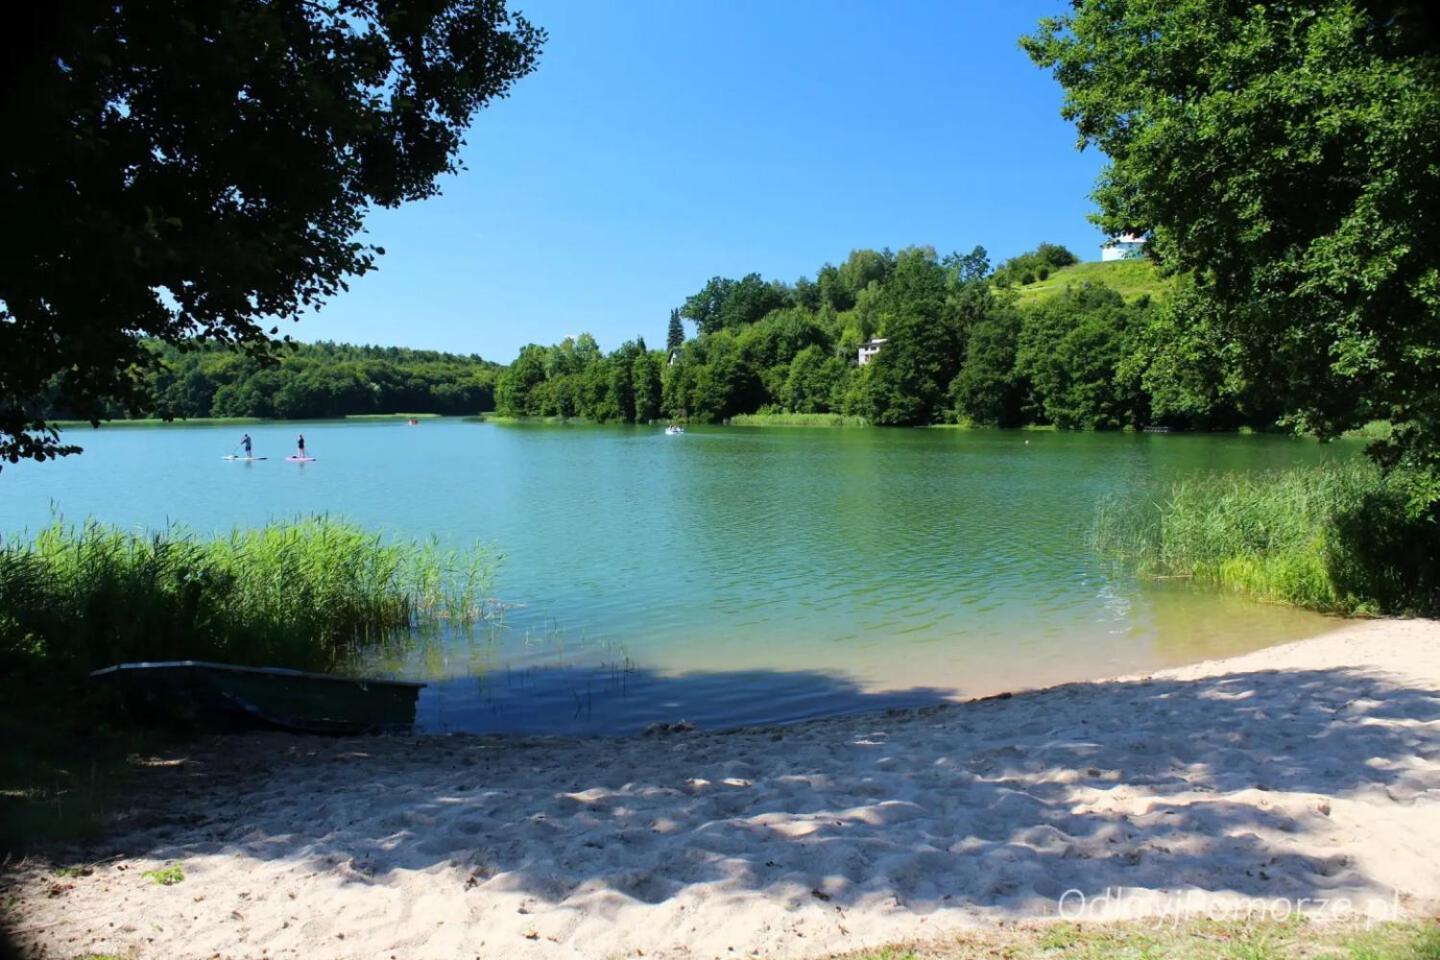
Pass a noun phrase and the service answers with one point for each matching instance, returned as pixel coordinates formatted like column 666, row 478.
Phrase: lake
column 728, row 576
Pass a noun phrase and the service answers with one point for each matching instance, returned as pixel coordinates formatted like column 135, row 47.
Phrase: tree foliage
column 575, row 379
column 183, row 170
column 1288, row 157
column 307, row 381
column 989, row 389
column 725, row 303
column 1072, row 351
column 675, row 335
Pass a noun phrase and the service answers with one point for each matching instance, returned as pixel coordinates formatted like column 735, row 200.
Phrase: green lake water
column 728, row 576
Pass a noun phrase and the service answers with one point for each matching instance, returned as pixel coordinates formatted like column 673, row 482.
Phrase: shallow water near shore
column 728, row 576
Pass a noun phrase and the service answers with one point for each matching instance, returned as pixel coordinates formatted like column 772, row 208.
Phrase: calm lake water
column 728, row 576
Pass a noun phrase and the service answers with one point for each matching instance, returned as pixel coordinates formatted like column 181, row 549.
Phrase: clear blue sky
column 661, row 143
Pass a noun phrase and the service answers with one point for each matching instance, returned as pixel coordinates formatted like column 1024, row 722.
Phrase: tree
column 906, row 382
column 1285, row 154
column 861, row 270
column 811, row 381
column 197, row 171
column 1071, row 348
column 675, row 337
column 519, row 381
column 1192, row 374
column 968, row 268
column 988, row 390
column 705, row 308
column 645, row 375
column 778, row 337
column 677, row 383
column 724, row 304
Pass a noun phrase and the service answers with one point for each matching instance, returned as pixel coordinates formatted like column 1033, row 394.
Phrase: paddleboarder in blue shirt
column 301, row 440
column 245, row 442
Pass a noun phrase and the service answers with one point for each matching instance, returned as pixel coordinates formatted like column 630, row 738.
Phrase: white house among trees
column 869, row 349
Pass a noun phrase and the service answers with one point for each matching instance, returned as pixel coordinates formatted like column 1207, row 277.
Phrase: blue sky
column 661, row 143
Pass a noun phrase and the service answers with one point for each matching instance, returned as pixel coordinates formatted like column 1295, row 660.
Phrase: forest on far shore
column 310, row 380
column 963, row 343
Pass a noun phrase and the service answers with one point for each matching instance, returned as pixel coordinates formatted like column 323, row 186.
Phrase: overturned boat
column 228, row 697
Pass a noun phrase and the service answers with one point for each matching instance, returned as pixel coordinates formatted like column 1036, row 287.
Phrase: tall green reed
column 1341, row 538
column 308, row 593
column 769, row 418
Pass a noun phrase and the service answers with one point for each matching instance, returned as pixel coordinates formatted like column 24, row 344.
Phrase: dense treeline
column 959, row 347
column 315, row 380
column 574, row 379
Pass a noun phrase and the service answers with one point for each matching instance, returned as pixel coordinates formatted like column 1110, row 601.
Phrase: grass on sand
column 1195, row 940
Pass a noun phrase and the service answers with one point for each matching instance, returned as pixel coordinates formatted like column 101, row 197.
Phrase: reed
column 1340, row 538
column 306, row 594
column 796, row 420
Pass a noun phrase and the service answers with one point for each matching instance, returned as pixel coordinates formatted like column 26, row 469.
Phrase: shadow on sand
column 581, row 701
column 1221, row 784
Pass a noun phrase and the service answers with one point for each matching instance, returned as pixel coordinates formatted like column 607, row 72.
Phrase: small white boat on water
column 674, row 430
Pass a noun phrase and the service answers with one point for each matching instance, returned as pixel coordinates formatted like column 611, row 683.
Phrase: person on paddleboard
column 301, row 441
column 245, row 442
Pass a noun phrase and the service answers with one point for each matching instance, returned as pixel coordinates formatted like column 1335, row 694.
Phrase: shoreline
column 1308, row 771
column 746, row 420
column 154, row 422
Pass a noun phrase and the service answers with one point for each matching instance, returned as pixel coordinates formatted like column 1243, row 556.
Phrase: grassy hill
column 1129, row 278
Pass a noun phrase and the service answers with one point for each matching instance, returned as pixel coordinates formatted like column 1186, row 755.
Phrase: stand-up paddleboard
column 246, row 459
column 299, row 459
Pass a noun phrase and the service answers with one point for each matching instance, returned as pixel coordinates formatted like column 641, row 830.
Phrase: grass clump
column 777, row 419
column 1340, row 538
column 298, row 594
column 165, row 876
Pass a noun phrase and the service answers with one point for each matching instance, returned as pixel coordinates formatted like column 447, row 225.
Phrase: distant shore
column 1377, row 430
column 1307, row 774
column 244, row 421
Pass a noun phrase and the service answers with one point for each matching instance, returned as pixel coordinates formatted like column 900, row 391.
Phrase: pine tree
column 676, row 337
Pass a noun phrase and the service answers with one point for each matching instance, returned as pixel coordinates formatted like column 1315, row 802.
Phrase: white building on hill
column 1127, row 246
column 869, row 349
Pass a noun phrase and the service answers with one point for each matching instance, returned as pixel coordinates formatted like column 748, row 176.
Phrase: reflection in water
column 773, row 574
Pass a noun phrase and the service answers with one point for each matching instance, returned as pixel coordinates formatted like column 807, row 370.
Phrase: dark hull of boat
column 227, row 697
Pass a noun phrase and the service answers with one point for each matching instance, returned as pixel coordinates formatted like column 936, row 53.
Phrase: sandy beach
column 1307, row 772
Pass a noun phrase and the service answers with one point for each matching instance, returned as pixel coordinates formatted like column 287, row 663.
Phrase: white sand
column 1307, row 771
